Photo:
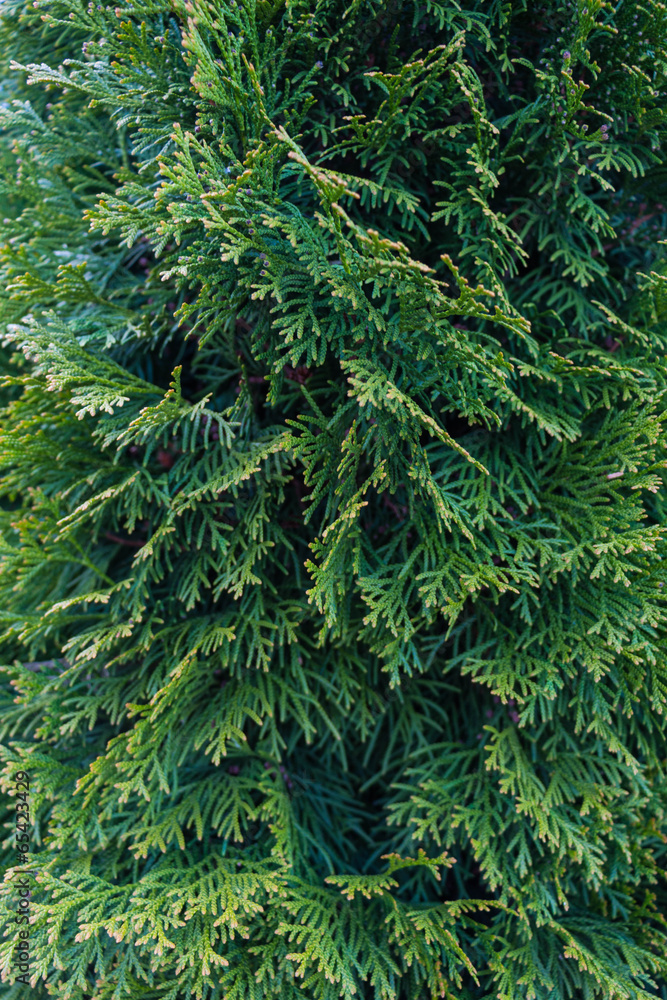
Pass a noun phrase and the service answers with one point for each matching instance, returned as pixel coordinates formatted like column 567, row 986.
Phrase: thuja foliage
column 332, row 498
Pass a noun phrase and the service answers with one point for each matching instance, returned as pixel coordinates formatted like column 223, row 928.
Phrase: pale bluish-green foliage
column 332, row 473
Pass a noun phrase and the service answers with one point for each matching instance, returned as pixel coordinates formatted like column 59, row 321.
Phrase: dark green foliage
column 332, row 499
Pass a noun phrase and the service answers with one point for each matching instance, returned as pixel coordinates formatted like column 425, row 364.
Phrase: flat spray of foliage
column 333, row 520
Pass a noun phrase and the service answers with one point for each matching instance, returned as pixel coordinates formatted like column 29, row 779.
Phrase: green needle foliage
column 332, row 497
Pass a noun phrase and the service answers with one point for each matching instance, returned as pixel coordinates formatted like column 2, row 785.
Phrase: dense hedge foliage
column 332, row 468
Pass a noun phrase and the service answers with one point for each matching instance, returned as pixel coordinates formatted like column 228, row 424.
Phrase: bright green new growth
column 333, row 525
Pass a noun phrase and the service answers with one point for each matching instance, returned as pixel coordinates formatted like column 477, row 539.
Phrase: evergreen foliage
column 332, row 460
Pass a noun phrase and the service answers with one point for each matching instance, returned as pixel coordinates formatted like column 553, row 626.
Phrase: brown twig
column 123, row 541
